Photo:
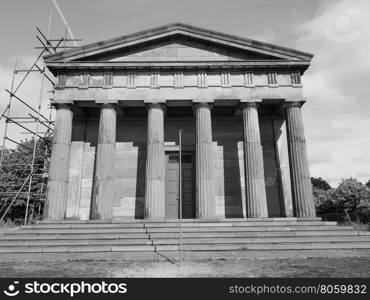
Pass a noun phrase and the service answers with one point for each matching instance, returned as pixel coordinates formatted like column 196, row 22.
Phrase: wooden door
column 172, row 185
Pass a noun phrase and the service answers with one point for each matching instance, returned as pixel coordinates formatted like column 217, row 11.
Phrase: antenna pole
column 180, row 193
column 65, row 22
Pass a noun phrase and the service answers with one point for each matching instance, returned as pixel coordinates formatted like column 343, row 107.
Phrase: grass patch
column 8, row 224
column 309, row 267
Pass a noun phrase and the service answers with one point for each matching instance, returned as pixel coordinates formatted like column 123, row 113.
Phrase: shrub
column 320, row 183
column 14, row 171
column 349, row 202
column 353, row 198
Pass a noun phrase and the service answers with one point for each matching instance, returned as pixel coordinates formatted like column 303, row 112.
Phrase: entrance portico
column 238, row 103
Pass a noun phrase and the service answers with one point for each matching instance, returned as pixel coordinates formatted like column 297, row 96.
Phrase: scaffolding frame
column 34, row 122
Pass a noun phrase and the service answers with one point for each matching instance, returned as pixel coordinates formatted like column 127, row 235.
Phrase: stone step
column 254, row 234
column 257, row 234
column 38, row 231
column 199, row 240
column 78, row 249
column 83, row 225
column 241, row 224
column 273, row 240
column 268, row 246
column 72, row 242
column 176, row 224
column 187, row 247
column 106, row 236
column 144, row 221
column 160, row 235
column 250, row 228
column 217, row 235
column 75, row 231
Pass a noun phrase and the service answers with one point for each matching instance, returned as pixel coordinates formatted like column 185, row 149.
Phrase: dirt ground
column 298, row 267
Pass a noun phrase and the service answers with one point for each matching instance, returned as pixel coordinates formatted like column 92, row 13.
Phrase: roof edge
column 172, row 27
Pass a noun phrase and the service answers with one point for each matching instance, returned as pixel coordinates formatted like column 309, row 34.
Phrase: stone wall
column 229, row 166
column 130, row 167
column 131, row 158
column 273, row 190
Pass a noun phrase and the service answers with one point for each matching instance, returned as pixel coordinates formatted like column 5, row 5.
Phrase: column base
column 155, row 200
column 102, row 209
column 56, row 205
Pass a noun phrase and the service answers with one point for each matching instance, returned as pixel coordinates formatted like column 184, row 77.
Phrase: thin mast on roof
column 65, row 22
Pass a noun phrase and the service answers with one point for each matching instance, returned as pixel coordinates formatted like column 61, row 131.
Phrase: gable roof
column 89, row 52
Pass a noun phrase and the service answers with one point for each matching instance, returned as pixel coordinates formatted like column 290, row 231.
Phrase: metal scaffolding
column 33, row 122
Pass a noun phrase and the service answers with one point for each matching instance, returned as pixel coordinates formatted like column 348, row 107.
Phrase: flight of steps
column 144, row 236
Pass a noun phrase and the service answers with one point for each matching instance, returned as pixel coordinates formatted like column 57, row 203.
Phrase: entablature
column 178, row 79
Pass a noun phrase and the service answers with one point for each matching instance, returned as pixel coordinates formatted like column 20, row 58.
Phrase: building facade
column 121, row 103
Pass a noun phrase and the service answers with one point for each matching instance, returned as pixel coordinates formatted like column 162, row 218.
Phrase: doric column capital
column 203, row 104
column 197, row 105
column 161, row 106
column 155, row 105
column 118, row 109
column 250, row 104
column 107, row 105
column 63, row 106
column 289, row 104
column 199, row 102
column 203, row 100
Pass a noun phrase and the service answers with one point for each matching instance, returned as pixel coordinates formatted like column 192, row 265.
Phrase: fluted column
column 303, row 203
column 56, row 204
column 205, row 199
column 103, row 186
column 155, row 164
column 255, row 192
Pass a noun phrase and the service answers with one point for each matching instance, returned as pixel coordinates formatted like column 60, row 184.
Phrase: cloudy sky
column 337, row 85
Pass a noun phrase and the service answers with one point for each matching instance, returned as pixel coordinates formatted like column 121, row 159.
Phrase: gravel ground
column 308, row 267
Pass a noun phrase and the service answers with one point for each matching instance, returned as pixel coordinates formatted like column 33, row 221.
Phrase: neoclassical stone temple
column 120, row 104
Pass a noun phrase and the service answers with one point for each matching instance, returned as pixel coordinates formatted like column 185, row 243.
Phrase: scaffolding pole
column 48, row 45
column 6, row 113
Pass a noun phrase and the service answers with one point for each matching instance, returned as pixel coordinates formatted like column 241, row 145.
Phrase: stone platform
column 93, row 239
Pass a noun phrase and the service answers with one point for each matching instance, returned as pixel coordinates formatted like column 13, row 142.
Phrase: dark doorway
column 172, row 185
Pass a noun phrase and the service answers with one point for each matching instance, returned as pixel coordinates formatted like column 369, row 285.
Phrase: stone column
column 255, row 192
column 205, row 199
column 155, row 164
column 303, row 203
column 103, row 185
column 56, row 204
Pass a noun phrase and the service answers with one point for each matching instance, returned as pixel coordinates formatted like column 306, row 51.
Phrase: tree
column 353, row 199
column 320, row 183
column 368, row 183
column 322, row 193
column 13, row 174
column 323, row 201
column 350, row 201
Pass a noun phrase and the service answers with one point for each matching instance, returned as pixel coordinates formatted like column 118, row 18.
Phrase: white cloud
column 29, row 91
column 337, row 89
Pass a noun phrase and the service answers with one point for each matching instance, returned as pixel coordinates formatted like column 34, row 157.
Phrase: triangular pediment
column 178, row 49
column 177, row 42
